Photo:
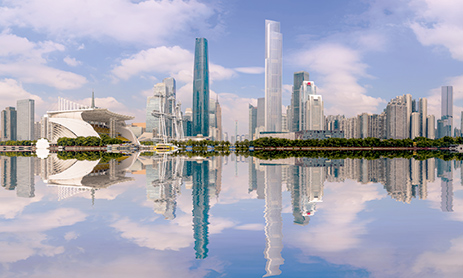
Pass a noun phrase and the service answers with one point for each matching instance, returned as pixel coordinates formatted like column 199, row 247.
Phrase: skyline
column 359, row 54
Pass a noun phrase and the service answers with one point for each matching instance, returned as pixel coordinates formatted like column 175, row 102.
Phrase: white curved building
column 73, row 120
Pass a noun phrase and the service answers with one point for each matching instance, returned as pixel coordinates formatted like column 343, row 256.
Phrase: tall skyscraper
column 431, row 127
column 201, row 89
column 447, row 112
column 26, row 113
column 396, row 119
column 9, row 124
column 299, row 77
column 407, row 98
column 273, row 75
column 218, row 114
column 252, row 121
column 423, row 116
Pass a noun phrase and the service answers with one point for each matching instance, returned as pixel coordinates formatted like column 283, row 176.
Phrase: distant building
column 8, row 125
column 423, row 116
column 25, row 118
column 431, row 127
column 252, row 120
column 416, row 125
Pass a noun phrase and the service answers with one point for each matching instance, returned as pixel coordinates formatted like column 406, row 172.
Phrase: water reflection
column 403, row 180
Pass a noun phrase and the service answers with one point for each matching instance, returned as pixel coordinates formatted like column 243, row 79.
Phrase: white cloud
column 150, row 22
column 26, row 61
column 251, row 70
column 439, row 23
column 72, row 61
column 340, row 69
column 170, row 62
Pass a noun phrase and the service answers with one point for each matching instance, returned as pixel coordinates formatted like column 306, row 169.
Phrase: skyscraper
column 201, row 89
column 447, row 112
column 299, row 77
column 396, row 119
column 252, row 121
column 423, row 116
column 26, row 113
column 273, row 75
column 8, row 125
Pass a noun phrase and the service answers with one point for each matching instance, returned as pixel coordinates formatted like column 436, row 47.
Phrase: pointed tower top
column 93, row 99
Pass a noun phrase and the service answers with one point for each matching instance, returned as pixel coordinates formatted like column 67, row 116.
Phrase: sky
column 359, row 53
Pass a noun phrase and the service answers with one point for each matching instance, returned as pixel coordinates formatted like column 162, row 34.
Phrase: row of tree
column 88, row 141
column 17, row 143
column 421, row 142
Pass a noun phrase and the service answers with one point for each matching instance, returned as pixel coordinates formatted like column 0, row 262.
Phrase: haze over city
column 360, row 54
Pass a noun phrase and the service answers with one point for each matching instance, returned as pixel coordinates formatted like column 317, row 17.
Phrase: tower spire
column 93, row 99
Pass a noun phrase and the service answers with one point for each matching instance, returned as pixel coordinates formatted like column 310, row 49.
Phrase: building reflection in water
column 73, row 176
column 403, row 179
column 17, row 173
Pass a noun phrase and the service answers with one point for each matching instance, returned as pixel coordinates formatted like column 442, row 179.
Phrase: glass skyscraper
column 447, row 112
column 26, row 113
column 8, row 124
column 273, row 75
column 201, row 89
column 299, row 77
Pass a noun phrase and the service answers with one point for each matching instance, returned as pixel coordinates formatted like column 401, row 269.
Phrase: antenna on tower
column 93, row 99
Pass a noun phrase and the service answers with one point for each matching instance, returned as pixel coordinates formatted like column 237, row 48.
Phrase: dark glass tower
column 201, row 89
column 299, row 77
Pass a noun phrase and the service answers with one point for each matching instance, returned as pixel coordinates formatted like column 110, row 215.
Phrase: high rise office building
column 396, row 119
column 415, row 124
column 431, row 127
column 252, row 121
column 9, row 124
column 26, row 118
column 299, row 77
column 201, row 89
column 273, row 75
column 446, row 122
column 423, row 116
column 407, row 98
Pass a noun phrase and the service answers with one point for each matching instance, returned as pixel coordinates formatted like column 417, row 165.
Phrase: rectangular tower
column 8, row 126
column 447, row 111
column 423, row 116
column 25, row 119
column 273, row 75
column 201, row 89
column 299, row 77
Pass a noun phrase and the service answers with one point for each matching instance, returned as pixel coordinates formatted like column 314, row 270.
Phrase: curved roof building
column 73, row 120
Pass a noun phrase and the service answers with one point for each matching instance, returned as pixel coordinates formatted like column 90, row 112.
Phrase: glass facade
column 26, row 113
column 299, row 77
column 8, row 127
column 201, row 89
column 447, row 111
column 273, row 75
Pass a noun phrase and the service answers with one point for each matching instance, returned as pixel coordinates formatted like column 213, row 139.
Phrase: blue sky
column 359, row 53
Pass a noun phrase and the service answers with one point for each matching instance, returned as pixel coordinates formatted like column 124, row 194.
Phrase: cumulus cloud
column 251, row 70
column 439, row 23
column 340, row 69
column 434, row 99
column 27, row 62
column 169, row 61
column 72, row 61
column 150, row 22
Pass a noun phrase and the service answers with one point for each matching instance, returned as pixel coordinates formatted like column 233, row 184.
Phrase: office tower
column 252, row 121
column 407, row 98
column 188, row 122
column 236, row 131
column 218, row 115
column 163, row 113
column 25, row 119
column 415, row 124
column 396, row 119
column 260, row 115
column 431, row 127
column 273, row 75
column 310, row 116
column 414, row 106
column 447, row 112
column 299, row 77
column 363, row 124
column 423, row 116
column 8, row 126
column 284, row 121
column 201, row 89
column 461, row 124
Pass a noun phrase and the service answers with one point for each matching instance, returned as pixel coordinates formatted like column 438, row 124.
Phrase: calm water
column 162, row 216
